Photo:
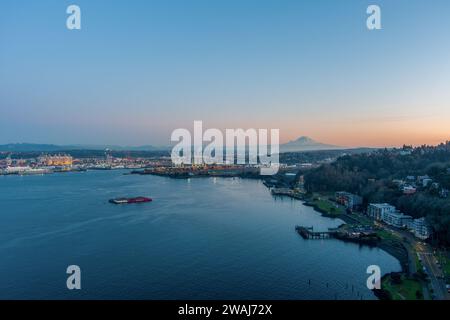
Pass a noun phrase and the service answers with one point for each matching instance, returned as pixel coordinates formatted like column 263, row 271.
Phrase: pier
column 309, row 233
column 286, row 192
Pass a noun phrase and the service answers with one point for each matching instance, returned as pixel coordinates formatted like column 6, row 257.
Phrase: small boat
column 130, row 200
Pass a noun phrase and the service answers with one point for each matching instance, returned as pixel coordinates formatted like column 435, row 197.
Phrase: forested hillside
column 380, row 175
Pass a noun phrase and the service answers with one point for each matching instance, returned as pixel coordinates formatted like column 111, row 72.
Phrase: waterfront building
column 389, row 215
column 16, row 170
column 377, row 210
column 349, row 200
column 420, row 228
column 397, row 219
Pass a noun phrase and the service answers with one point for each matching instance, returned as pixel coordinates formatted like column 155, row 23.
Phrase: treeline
column 371, row 175
column 317, row 155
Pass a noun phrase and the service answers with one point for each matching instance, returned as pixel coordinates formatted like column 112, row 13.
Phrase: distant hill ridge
column 301, row 144
column 35, row 147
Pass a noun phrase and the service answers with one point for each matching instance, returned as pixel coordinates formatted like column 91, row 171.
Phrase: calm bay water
column 199, row 239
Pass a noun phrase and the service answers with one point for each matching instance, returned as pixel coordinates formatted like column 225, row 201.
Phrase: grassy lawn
column 445, row 263
column 364, row 219
column 387, row 235
column 406, row 290
column 328, row 206
column 418, row 264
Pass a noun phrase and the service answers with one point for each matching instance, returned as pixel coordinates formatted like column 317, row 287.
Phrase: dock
column 286, row 192
column 309, row 233
column 337, row 233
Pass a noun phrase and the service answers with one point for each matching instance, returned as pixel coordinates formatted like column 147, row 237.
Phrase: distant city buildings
column 55, row 160
column 51, row 163
column 16, row 170
column 214, row 170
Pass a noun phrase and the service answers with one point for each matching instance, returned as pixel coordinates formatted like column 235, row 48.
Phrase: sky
column 139, row 69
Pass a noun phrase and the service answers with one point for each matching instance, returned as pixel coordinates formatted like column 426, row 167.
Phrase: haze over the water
column 138, row 70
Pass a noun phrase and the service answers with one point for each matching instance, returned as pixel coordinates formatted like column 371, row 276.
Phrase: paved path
column 433, row 271
column 428, row 261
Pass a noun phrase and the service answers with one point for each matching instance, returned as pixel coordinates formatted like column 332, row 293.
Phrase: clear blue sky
column 139, row 69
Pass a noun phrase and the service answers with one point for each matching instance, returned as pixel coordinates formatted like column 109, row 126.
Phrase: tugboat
column 130, row 200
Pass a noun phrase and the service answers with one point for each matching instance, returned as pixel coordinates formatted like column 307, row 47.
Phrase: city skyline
column 136, row 72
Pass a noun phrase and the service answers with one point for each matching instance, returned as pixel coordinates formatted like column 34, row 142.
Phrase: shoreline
column 394, row 248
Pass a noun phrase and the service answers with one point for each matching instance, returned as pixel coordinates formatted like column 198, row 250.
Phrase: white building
column 377, row 210
column 389, row 215
column 16, row 170
column 420, row 228
column 397, row 219
column 409, row 189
